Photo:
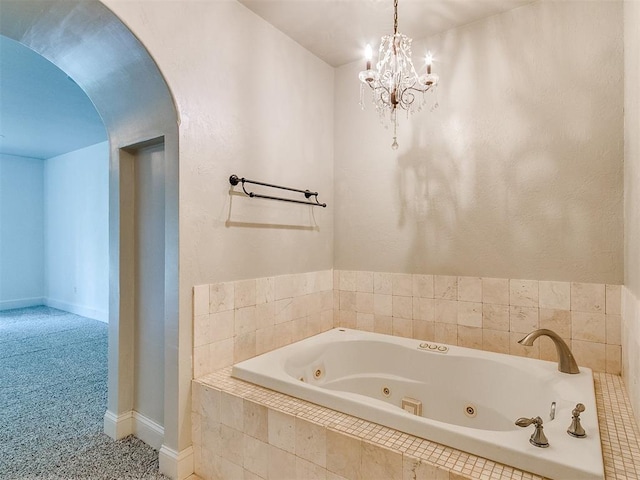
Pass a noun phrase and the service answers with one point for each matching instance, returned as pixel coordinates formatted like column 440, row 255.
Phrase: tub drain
column 470, row 410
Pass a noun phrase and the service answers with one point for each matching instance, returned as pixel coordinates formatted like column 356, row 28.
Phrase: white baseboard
column 83, row 311
column 177, row 465
column 21, row 303
column 133, row 423
column 148, row 431
column 118, row 426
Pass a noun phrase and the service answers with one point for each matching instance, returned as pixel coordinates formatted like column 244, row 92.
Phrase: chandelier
column 394, row 83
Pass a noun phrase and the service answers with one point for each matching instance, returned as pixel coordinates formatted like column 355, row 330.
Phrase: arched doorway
column 91, row 45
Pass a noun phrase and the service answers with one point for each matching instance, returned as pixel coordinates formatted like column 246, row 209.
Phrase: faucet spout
column 566, row 362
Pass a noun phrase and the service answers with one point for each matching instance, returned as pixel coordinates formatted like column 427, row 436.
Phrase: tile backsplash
column 234, row 321
column 486, row 313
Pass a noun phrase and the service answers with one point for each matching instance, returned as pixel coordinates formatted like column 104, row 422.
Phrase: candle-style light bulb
column 368, row 54
column 429, row 61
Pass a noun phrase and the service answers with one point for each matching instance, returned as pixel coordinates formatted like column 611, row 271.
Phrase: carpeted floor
column 53, row 396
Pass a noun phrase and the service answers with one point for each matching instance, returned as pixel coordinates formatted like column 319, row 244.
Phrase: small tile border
column 618, row 430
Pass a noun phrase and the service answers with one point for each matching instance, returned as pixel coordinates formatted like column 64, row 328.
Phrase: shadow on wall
column 520, row 168
column 245, row 219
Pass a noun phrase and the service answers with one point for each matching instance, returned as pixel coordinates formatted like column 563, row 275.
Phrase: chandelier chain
column 395, row 17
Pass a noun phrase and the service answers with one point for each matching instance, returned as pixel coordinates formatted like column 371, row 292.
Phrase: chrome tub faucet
column 566, row 362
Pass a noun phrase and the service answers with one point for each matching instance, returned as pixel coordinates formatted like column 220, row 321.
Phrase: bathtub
column 464, row 398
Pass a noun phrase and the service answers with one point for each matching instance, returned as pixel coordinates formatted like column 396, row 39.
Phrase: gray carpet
column 53, row 396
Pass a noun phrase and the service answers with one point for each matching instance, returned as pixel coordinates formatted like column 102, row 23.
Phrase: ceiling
column 338, row 30
column 43, row 113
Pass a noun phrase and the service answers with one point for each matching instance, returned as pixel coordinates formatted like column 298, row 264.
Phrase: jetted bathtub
column 464, row 398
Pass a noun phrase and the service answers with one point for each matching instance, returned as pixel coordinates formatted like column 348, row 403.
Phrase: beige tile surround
column 237, row 320
column 234, row 321
column 486, row 313
column 245, row 431
column 631, row 346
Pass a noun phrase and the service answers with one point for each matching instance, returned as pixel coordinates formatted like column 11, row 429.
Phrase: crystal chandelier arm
column 422, row 87
column 381, row 93
column 406, row 99
column 377, row 85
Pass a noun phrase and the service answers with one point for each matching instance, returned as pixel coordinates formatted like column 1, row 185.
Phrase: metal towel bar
column 235, row 180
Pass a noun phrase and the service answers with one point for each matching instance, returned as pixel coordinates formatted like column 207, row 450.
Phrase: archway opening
column 94, row 48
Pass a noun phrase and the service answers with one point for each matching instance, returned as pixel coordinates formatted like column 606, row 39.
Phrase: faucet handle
column 575, row 429
column 538, row 438
column 525, row 422
column 578, row 410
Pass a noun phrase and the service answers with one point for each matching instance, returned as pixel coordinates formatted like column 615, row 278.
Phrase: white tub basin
column 470, row 398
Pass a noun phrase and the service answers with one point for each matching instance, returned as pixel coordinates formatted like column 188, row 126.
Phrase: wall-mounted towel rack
column 235, row 180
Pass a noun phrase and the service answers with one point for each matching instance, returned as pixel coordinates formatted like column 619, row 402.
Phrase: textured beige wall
column 518, row 174
column 632, row 146
column 251, row 102
column 631, row 291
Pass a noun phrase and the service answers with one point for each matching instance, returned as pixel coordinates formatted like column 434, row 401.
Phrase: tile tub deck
column 342, row 441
